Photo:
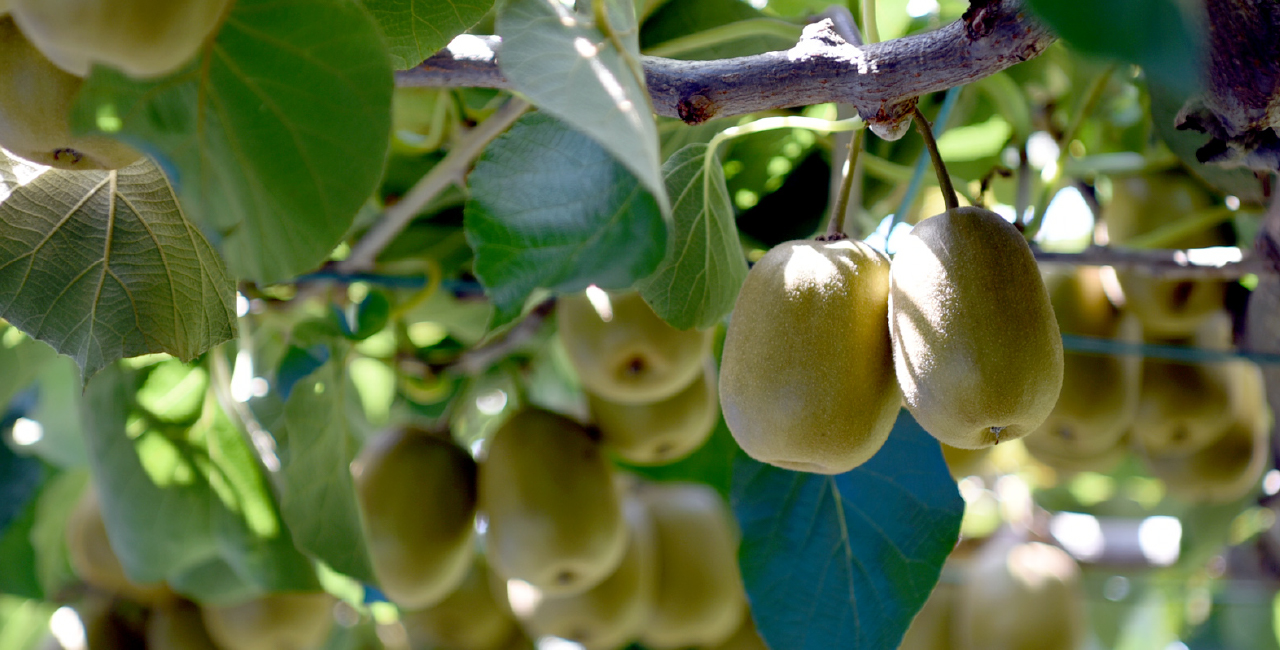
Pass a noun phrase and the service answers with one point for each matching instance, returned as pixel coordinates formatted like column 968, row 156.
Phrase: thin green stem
column 1051, row 188
column 836, row 225
column 939, row 167
column 601, row 13
column 721, row 34
column 870, row 32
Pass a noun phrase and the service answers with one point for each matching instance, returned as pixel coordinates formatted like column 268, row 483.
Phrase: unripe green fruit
column 555, row 520
column 806, row 380
column 178, row 626
column 470, row 618
column 1099, row 396
column 699, row 599
column 144, row 38
column 417, row 493
column 93, row 559
column 664, row 431
column 976, row 345
column 1020, row 597
column 613, row 612
column 625, row 353
column 35, row 106
column 283, row 621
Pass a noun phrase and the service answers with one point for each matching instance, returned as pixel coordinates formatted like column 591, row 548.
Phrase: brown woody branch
column 1164, row 264
column 882, row 80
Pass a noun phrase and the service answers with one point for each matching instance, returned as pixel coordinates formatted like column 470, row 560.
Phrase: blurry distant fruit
column 470, row 618
column 93, row 559
column 662, row 431
column 281, row 621
column 1020, row 596
column 624, row 352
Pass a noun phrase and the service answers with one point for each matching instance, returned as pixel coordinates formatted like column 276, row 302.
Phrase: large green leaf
column 416, row 29
column 563, row 62
column 1154, row 34
column 552, row 209
column 103, row 265
column 697, row 282
column 175, row 498
column 315, row 443
column 156, row 507
column 846, row 561
column 21, row 360
column 275, row 135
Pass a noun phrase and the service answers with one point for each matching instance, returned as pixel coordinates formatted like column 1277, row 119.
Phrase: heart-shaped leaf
column 276, row 134
column 697, row 282
column 846, row 561
column 552, row 209
column 103, row 265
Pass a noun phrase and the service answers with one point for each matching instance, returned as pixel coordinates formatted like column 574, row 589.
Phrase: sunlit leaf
column 566, row 65
column 551, row 209
column 103, row 265
column 846, row 561
column 697, row 282
column 416, row 29
column 275, row 136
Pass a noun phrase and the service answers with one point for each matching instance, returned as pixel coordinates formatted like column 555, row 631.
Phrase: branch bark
column 882, row 79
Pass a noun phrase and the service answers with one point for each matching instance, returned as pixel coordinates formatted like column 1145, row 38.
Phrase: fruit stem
column 1090, row 101
column 870, row 31
column 836, row 225
column 939, row 167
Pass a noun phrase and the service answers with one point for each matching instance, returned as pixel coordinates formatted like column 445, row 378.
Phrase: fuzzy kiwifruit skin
column 1099, row 397
column 144, row 38
column 806, row 380
column 280, row 621
column 635, row 356
column 470, row 618
column 976, row 346
column 664, row 431
column 613, row 612
column 1019, row 596
column 555, row 520
column 417, row 495
column 699, row 597
column 36, row 97
column 1139, row 205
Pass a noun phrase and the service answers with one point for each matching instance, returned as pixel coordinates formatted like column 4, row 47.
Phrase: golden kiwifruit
column 178, row 626
column 664, row 431
column 1139, row 205
column 1019, row 596
column 279, row 621
column 417, row 494
column 1229, row 467
column 554, row 518
column 699, row 598
column 35, row 107
column 623, row 351
column 976, row 345
column 806, row 380
column 931, row 628
column 144, row 38
column 610, row 614
column 1099, row 396
column 470, row 618
column 93, row 559
column 746, row 638
column 1183, row 407
column 1102, row 461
